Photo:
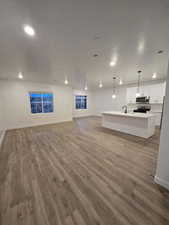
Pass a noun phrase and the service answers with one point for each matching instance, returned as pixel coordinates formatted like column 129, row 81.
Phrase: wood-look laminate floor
column 79, row 173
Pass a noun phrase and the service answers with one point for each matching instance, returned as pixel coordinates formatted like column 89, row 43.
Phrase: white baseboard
column 83, row 115
column 36, row 124
column 2, row 136
column 161, row 182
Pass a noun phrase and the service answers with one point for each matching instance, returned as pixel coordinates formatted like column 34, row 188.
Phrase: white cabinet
column 145, row 90
column 157, row 118
column 131, row 95
column 155, row 91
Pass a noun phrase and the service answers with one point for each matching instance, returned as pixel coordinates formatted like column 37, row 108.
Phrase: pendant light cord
column 114, row 85
column 138, row 84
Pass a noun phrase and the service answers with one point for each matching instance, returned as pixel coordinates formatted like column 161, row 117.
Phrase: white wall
column 83, row 112
column 1, row 118
column 162, row 172
column 103, row 101
column 2, row 131
column 16, row 105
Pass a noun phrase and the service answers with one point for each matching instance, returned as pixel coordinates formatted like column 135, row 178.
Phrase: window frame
column 81, row 95
column 42, row 102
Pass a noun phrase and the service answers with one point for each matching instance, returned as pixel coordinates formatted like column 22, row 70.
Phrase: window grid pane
column 41, row 102
column 81, row 102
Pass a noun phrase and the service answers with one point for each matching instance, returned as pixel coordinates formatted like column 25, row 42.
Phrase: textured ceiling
column 69, row 33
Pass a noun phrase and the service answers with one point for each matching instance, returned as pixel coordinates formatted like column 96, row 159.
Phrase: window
column 81, row 102
column 41, row 102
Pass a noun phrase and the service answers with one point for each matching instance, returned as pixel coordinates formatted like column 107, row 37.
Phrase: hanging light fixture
column 138, row 84
column 66, row 81
column 114, row 88
column 154, row 76
column 86, row 88
column 100, row 84
column 20, row 75
column 120, row 82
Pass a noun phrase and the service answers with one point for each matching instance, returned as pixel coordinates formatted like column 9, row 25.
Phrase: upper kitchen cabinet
column 131, row 95
column 155, row 91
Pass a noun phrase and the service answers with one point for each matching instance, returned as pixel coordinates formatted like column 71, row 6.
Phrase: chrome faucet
column 124, row 108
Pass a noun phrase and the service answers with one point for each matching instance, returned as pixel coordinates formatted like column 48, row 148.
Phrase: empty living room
column 84, row 112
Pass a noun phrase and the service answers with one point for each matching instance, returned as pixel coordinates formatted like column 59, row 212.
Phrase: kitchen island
column 138, row 124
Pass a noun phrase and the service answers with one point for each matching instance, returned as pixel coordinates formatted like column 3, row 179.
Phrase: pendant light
column 20, row 76
column 66, row 81
column 114, row 88
column 100, row 84
column 154, row 76
column 120, row 82
column 138, row 94
column 86, row 87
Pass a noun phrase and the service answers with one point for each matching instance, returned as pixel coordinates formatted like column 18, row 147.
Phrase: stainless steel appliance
column 143, row 108
column 142, row 104
column 143, row 99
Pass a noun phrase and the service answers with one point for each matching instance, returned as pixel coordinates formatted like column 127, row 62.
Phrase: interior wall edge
column 162, row 170
column 161, row 182
column 2, row 135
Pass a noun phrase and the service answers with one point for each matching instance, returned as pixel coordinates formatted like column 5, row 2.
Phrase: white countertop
column 157, row 111
column 135, row 115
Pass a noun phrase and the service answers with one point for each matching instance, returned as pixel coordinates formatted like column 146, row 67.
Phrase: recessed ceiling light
column 154, row 75
column 29, row 30
column 141, row 46
column 112, row 63
column 20, row 76
column 113, row 96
